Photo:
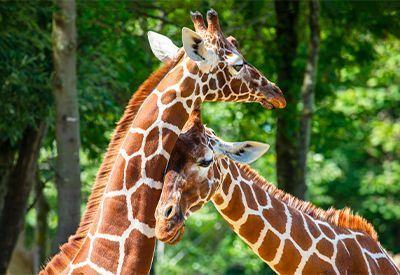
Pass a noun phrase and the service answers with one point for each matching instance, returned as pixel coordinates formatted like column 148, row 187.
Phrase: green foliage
column 358, row 142
column 25, row 58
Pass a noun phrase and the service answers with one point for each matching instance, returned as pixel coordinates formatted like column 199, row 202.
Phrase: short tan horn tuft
column 198, row 21
column 213, row 22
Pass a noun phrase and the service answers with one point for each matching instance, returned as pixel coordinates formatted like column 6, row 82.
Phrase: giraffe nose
column 169, row 211
column 274, row 97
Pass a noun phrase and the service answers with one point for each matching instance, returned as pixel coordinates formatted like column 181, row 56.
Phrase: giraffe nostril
column 168, row 211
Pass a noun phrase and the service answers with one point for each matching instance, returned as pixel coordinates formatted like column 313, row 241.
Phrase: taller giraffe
column 116, row 234
column 290, row 235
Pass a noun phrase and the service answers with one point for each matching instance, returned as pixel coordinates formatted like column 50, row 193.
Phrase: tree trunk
column 308, row 91
column 287, row 13
column 42, row 211
column 67, row 120
column 294, row 125
column 19, row 186
column 7, row 155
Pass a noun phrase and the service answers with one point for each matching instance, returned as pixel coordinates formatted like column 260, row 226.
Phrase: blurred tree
column 20, row 182
column 307, row 97
column 67, row 121
column 287, row 163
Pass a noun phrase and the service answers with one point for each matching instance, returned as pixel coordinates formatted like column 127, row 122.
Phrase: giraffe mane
column 69, row 250
column 342, row 218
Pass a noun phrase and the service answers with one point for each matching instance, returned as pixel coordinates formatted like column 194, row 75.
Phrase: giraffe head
column 194, row 174
column 218, row 70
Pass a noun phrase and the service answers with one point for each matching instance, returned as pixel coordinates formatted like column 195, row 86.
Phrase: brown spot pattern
column 175, row 115
column 269, row 246
column 315, row 265
column 277, row 221
column 168, row 97
column 312, row 227
column 136, row 246
column 152, row 142
column 325, row 247
column 147, row 207
column 327, row 231
column 290, row 255
column 114, row 226
column 356, row 257
column 105, row 254
column 299, row 233
column 173, row 78
column 251, row 229
column 187, row 87
column 157, row 161
column 235, row 208
column 251, row 202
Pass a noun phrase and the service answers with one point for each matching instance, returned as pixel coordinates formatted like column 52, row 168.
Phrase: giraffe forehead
column 193, row 142
column 219, row 44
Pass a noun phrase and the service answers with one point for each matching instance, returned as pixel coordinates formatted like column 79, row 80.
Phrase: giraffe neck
column 59, row 263
column 287, row 238
column 121, row 237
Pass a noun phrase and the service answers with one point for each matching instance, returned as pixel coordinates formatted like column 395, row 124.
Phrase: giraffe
column 117, row 232
column 290, row 235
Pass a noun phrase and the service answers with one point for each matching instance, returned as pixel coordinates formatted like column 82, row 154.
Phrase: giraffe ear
column 194, row 45
column 246, row 152
column 162, row 47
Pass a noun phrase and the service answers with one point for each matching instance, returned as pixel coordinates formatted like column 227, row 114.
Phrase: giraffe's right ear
column 194, row 45
column 162, row 47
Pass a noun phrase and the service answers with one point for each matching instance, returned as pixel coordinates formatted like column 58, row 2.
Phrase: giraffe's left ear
column 194, row 45
column 246, row 152
column 162, row 47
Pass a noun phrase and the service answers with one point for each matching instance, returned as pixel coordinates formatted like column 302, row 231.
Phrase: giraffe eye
column 238, row 67
column 205, row 162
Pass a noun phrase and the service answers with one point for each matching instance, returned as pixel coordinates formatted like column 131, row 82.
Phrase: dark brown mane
column 342, row 218
column 69, row 250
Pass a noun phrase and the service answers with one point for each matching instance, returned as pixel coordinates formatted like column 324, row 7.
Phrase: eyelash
column 205, row 163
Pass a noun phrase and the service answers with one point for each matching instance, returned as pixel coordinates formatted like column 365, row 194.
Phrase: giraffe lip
column 267, row 105
column 273, row 97
column 274, row 102
column 177, row 236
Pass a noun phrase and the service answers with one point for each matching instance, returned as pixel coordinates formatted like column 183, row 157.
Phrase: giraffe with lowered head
column 117, row 232
column 290, row 235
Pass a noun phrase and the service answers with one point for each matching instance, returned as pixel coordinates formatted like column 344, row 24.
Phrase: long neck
column 121, row 238
column 59, row 263
column 288, row 238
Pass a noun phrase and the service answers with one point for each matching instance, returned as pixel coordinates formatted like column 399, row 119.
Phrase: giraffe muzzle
column 169, row 224
column 273, row 97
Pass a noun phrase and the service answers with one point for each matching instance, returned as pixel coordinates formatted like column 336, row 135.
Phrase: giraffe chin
column 176, row 237
column 273, row 103
column 267, row 105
